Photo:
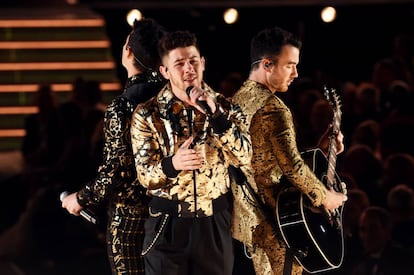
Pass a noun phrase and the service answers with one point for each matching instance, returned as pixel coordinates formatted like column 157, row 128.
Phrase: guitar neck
column 336, row 121
column 330, row 173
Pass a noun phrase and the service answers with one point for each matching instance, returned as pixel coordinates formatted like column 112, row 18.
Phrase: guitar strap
column 287, row 266
column 238, row 175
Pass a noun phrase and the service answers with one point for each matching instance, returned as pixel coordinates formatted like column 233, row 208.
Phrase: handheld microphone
column 202, row 103
column 87, row 215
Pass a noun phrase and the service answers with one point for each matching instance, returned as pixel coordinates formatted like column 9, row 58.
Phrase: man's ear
column 129, row 51
column 203, row 62
column 164, row 72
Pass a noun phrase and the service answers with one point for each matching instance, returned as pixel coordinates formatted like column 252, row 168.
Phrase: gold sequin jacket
column 159, row 128
column 275, row 154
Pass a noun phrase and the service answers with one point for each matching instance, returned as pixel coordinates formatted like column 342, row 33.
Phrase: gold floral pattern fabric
column 159, row 128
column 275, row 154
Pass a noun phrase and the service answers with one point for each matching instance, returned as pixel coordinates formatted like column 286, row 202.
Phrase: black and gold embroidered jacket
column 159, row 128
column 116, row 180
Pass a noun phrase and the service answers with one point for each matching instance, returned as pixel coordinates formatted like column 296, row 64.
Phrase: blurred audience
column 380, row 254
column 356, row 204
column 230, row 83
column 360, row 162
column 40, row 146
column 58, row 156
column 400, row 203
column 368, row 132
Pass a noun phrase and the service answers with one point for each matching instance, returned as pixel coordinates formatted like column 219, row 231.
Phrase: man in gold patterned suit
column 274, row 57
column 184, row 140
column 116, row 183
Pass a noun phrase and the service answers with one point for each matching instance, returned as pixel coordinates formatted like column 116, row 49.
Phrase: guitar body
column 311, row 231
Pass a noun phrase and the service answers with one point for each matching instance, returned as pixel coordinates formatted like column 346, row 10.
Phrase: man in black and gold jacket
column 184, row 140
column 116, row 184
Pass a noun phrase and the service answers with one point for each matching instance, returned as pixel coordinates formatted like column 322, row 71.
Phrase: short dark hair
column 268, row 43
column 176, row 39
column 143, row 41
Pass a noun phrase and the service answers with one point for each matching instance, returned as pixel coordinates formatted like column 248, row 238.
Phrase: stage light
column 132, row 15
column 328, row 14
column 230, row 16
column 72, row 2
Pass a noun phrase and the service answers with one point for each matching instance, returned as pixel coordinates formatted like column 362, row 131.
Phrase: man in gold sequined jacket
column 116, row 184
column 274, row 56
column 184, row 140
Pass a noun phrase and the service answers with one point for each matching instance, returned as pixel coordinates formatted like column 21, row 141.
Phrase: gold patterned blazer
column 159, row 128
column 275, row 154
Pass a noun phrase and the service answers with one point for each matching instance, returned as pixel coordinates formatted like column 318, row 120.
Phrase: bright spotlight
column 230, row 16
column 328, row 14
column 132, row 15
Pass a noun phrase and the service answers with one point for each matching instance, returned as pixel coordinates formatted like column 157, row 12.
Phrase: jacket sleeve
column 279, row 133
column 117, row 167
column 233, row 138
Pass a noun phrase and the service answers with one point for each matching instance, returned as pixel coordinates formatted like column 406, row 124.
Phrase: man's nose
column 188, row 66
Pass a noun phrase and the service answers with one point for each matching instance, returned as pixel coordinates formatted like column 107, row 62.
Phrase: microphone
column 202, row 103
column 87, row 215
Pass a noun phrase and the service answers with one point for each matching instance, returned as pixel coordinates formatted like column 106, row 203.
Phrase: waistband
column 122, row 209
column 172, row 206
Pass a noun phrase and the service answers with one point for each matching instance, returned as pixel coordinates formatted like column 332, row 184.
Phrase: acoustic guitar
column 314, row 233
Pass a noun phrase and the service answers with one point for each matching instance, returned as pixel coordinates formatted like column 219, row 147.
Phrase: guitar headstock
column 333, row 98
column 335, row 102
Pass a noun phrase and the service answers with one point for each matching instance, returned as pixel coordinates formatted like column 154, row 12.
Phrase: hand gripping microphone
column 202, row 103
column 87, row 215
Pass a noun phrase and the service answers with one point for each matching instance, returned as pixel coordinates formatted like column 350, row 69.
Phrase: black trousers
column 188, row 246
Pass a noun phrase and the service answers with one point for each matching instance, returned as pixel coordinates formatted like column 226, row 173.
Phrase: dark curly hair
column 176, row 39
column 143, row 41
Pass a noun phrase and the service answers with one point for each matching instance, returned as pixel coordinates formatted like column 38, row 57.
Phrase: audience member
column 360, row 162
column 400, row 203
column 398, row 169
column 320, row 117
column 368, row 132
column 367, row 102
column 380, row 255
column 302, row 111
column 384, row 72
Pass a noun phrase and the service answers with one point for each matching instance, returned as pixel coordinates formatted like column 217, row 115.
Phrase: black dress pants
column 189, row 246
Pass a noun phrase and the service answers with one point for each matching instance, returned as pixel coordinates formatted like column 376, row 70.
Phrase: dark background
column 345, row 49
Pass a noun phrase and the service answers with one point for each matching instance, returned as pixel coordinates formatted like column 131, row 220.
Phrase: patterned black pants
column 125, row 233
